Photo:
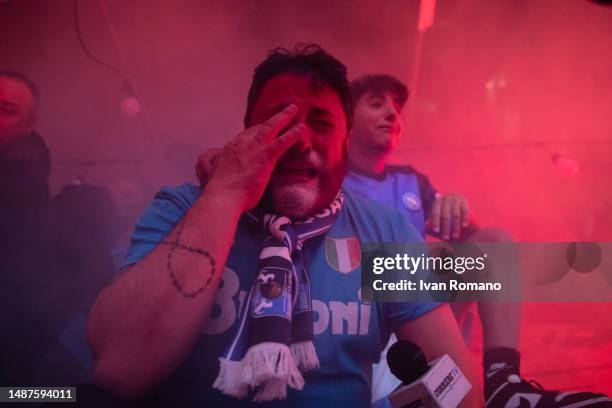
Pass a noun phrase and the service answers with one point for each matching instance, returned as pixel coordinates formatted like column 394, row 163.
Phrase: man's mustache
column 294, row 160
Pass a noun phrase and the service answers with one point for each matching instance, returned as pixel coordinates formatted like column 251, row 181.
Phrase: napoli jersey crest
column 411, row 201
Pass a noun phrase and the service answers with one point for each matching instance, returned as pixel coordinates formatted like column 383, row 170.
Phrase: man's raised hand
column 241, row 170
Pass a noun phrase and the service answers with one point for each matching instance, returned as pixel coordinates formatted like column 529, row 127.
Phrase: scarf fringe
column 270, row 361
column 271, row 390
column 269, row 366
column 305, row 355
column 229, row 379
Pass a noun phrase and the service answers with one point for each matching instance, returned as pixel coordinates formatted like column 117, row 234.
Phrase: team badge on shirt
column 411, row 201
column 343, row 254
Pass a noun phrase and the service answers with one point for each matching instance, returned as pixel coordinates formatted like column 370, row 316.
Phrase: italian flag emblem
column 343, row 254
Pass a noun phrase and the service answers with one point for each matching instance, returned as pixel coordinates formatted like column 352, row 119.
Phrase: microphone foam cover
column 407, row 361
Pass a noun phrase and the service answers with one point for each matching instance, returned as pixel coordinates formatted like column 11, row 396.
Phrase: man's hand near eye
column 241, row 170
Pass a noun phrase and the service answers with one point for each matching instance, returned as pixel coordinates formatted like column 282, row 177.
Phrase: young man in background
column 378, row 125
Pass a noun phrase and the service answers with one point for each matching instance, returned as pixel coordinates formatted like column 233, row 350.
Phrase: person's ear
column 347, row 141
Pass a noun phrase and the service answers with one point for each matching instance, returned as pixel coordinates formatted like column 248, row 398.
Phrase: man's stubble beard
column 295, row 200
column 300, row 200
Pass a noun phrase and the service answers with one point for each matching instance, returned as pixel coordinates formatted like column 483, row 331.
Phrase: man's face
column 16, row 115
column 378, row 124
column 308, row 176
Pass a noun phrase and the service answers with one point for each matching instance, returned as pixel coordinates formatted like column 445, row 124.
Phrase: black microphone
column 406, row 361
column 437, row 384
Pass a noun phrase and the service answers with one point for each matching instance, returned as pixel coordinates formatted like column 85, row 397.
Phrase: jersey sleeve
column 399, row 313
column 157, row 220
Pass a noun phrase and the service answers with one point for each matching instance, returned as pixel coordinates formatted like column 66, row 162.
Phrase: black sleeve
column 428, row 193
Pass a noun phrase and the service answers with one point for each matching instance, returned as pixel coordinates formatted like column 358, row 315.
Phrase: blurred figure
column 24, row 168
column 24, row 157
column 54, row 252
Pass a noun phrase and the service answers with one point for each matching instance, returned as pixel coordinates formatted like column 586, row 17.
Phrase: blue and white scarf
column 274, row 342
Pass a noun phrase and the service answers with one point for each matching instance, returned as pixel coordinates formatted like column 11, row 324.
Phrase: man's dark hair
column 18, row 76
column 309, row 60
column 380, row 83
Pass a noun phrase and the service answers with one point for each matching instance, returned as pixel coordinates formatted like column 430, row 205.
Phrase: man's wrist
column 221, row 201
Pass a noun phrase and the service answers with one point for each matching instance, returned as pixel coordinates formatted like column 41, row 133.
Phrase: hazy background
column 505, row 87
column 496, row 78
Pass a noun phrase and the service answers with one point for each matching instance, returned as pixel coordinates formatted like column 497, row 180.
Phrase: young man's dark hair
column 18, row 76
column 380, row 83
column 311, row 61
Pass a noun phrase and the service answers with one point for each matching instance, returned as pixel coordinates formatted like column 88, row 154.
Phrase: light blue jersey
column 399, row 187
column 349, row 334
column 411, row 193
